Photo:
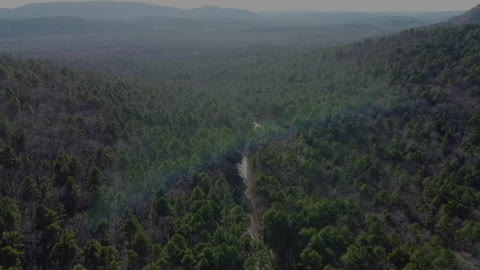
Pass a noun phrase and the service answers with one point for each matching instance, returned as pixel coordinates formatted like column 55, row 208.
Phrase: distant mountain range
column 95, row 10
column 63, row 25
column 119, row 11
column 59, row 18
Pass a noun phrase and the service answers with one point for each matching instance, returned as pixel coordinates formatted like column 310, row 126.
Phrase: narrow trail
column 244, row 170
column 255, row 227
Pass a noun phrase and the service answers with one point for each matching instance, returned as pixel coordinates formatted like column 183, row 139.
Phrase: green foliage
column 432, row 256
column 9, row 214
column 260, row 258
column 79, row 267
column 132, row 227
column 412, row 163
column 10, row 257
column 101, row 257
column 141, row 244
column 161, row 208
column 66, row 251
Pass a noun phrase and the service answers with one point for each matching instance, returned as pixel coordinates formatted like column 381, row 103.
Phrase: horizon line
column 251, row 10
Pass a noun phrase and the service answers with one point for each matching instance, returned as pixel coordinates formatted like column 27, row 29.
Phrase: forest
column 355, row 155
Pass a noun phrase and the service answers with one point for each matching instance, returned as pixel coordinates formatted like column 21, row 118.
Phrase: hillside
column 470, row 17
column 388, row 189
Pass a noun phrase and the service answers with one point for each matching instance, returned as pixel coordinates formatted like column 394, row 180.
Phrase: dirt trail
column 248, row 177
column 244, row 170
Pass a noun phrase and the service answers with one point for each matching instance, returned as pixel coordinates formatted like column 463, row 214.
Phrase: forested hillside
column 384, row 190
column 360, row 156
column 472, row 16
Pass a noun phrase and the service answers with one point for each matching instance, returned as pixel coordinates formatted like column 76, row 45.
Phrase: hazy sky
column 277, row 5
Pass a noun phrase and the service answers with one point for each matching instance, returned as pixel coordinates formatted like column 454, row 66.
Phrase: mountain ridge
column 116, row 10
column 63, row 25
column 472, row 16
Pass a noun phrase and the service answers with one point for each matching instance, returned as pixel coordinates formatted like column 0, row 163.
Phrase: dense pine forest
column 358, row 156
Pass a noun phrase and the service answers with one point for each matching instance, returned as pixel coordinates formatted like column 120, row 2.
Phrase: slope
column 471, row 16
column 389, row 189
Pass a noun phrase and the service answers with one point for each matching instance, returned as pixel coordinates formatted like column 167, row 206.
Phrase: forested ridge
column 388, row 190
column 366, row 159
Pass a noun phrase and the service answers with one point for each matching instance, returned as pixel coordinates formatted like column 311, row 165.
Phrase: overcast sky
column 278, row 5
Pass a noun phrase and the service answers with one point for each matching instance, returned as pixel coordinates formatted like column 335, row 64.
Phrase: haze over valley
column 95, row 34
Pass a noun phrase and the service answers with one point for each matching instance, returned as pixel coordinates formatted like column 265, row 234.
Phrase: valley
column 227, row 139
